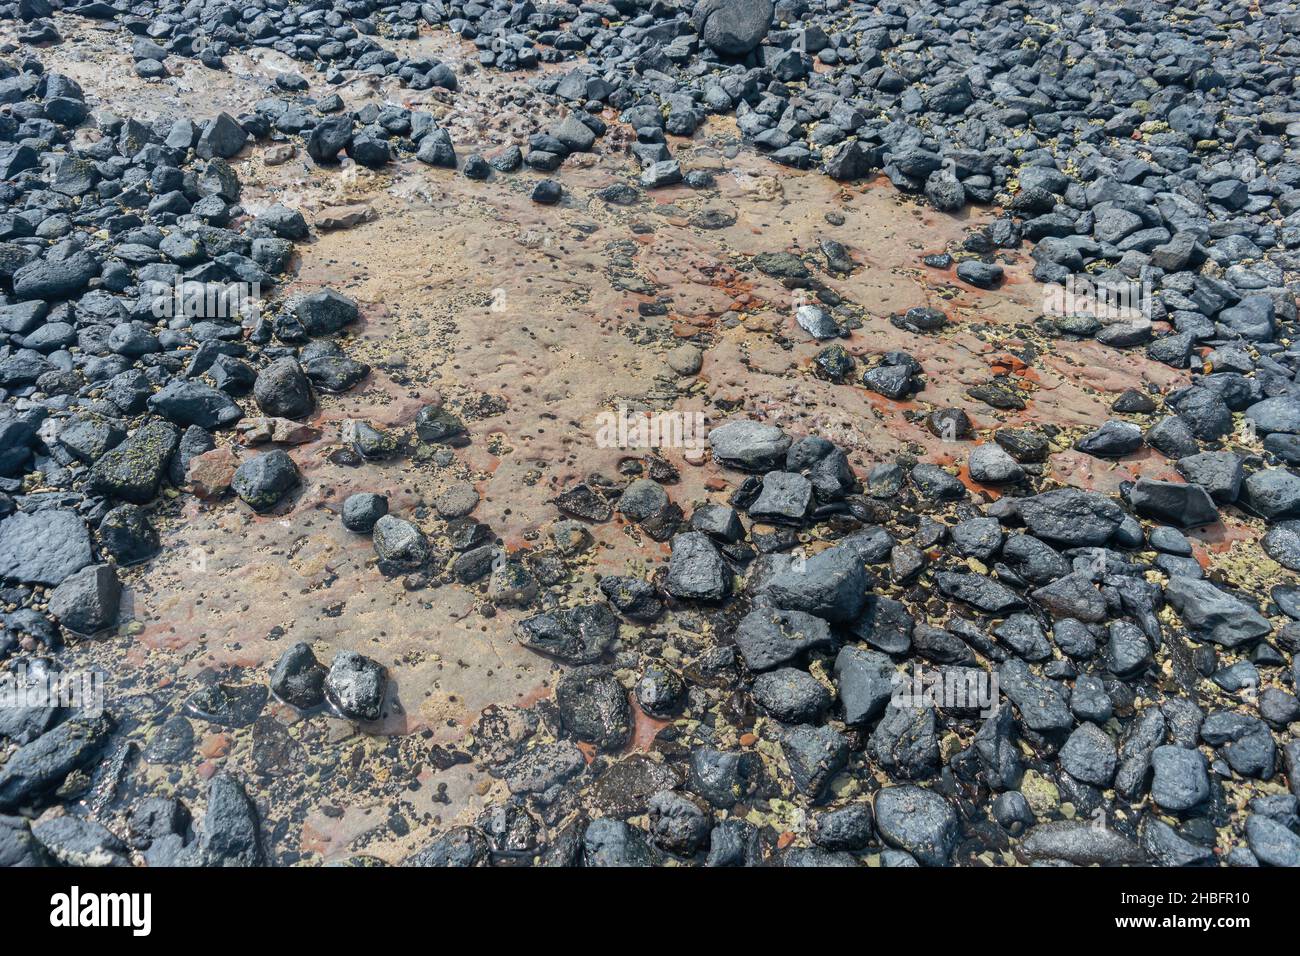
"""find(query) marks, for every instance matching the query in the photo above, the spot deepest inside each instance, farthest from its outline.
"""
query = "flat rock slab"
(43, 547)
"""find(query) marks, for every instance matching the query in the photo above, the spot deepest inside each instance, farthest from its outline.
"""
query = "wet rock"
(1024, 636)
(1247, 743)
(1024, 445)
(610, 842)
(222, 137)
(722, 777)
(1205, 412)
(1071, 517)
(509, 829)
(193, 403)
(696, 571)
(436, 149)
(1170, 541)
(282, 390)
(458, 847)
(979, 592)
(39, 767)
(790, 695)
(785, 498)
(284, 222)
(642, 499)
(399, 545)
(54, 279)
(1172, 438)
(1214, 615)
(844, 828)
(1180, 782)
(232, 832)
(1112, 440)
(1042, 703)
(361, 511)
(767, 637)
(936, 644)
(1012, 812)
(635, 598)
(87, 601)
(1089, 700)
(660, 691)
(355, 686)
(918, 821)
(1280, 413)
(815, 755)
(865, 682)
(194, 441)
(1072, 596)
(1273, 494)
(582, 501)
(997, 750)
(990, 464)
(324, 312)
(892, 381)
(23, 719)
(832, 584)
(1074, 638)
(435, 424)
(172, 743)
(548, 192)
(1081, 844)
(328, 138)
(594, 708)
(1128, 651)
(18, 848)
(76, 841)
(1282, 544)
(732, 28)
(834, 363)
(678, 823)
(982, 275)
(43, 547)
(1271, 842)
(1182, 505)
(298, 678)
(936, 484)
(264, 480)
(1163, 844)
(1131, 402)
(126, 534)
(133, 471)
(749, 446)
(665, 172)
(1032, 560)
(86, 438)
(577, 635)
(228, 705)
(1089, 755)
(539, 769)
(334, 374)
(818, 323)
(904, 742)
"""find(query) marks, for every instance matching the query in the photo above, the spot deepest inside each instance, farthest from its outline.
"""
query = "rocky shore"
(316, 318)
